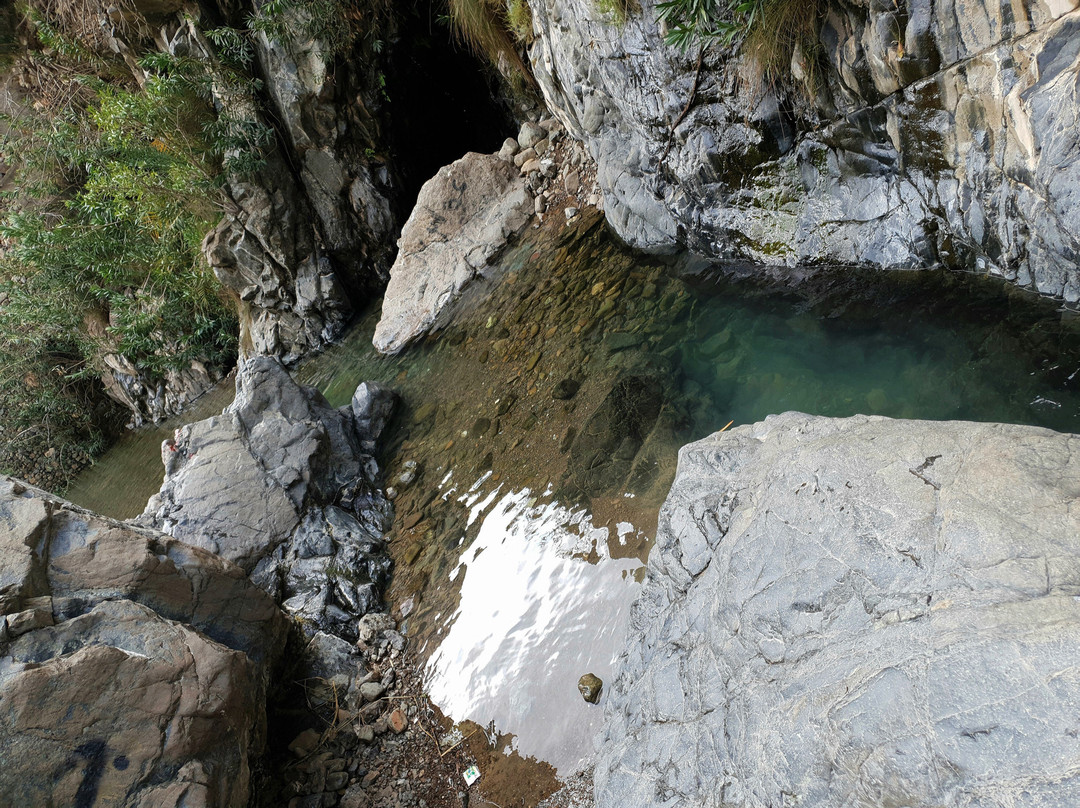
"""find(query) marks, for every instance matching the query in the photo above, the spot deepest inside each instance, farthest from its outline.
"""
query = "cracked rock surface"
(132, 666)
(860, 611)
(283, 485)
(463, 218)
(921, 134)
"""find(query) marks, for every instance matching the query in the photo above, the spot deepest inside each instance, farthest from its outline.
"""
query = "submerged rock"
(589, 686)
(132, 666)
(856, 611)
(464, 216)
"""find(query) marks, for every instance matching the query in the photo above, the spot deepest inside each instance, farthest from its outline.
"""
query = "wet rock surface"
(132, 666)
(939, 133)
(847, 610)
(281, 483)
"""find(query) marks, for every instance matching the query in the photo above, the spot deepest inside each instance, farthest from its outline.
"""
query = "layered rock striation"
(856, 612)
(133, 667)
(928, 133)
(463, 218)
(283, 484)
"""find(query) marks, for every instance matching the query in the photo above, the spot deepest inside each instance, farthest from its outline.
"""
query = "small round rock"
(589, 686)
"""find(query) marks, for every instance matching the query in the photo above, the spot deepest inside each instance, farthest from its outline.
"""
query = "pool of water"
(538, 435)
(120, 482)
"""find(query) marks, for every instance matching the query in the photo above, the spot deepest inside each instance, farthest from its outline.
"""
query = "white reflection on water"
(532, 619)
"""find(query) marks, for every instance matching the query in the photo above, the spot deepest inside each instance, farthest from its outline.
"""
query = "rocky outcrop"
(855, 612)
(463, 218)
(938, 133)
(311, 231)
(132, 666)
(151, 399)
(283, 484)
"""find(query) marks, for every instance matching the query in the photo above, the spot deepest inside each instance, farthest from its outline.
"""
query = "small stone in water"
(589, 686)
(566, 389)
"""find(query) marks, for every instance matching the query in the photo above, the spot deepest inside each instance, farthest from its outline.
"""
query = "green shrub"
(116, 186)
(335, 24)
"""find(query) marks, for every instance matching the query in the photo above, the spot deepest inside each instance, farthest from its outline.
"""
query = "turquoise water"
(900, 345)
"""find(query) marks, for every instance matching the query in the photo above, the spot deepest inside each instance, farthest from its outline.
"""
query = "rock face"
(939, 133)
(281, 483)
(155, 399)
(132, 666)
(313, 229)
(464, 216)
(856, 612)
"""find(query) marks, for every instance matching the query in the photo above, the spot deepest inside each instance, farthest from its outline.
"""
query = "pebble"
(370, 691)
(570, 213)
(398, 722)
(590, 686)
(304, 743)
(509, 148)
(522, 157)
(530, 133)
(335, 781)
(565, 389)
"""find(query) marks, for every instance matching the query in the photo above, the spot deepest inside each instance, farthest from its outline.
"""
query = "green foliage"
(520, 21)
(690, 22)
(297, 20)
(618, 10)
(102, 246)
(767, 31)
(335, 24)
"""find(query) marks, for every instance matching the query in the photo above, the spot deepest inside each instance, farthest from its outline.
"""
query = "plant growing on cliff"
(116, 186)
(492, 30)
(768, 32)
(334, 24)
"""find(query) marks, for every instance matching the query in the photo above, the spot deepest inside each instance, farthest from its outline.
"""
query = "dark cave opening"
(444, 101)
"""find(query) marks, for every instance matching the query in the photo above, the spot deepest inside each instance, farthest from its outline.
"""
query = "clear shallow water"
(530, 620)
(514, 594)
(124, 478)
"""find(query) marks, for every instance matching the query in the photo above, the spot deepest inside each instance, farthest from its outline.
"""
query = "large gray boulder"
(463, 218)
(856, 612)
(283, 485)
(132, 667)
(938, 132)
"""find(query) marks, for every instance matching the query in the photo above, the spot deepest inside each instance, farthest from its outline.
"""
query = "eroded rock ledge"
(856, 612)
(939, 133)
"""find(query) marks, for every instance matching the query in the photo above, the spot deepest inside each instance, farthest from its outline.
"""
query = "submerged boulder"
(856, 612)
(464, 216)
(132, 667)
